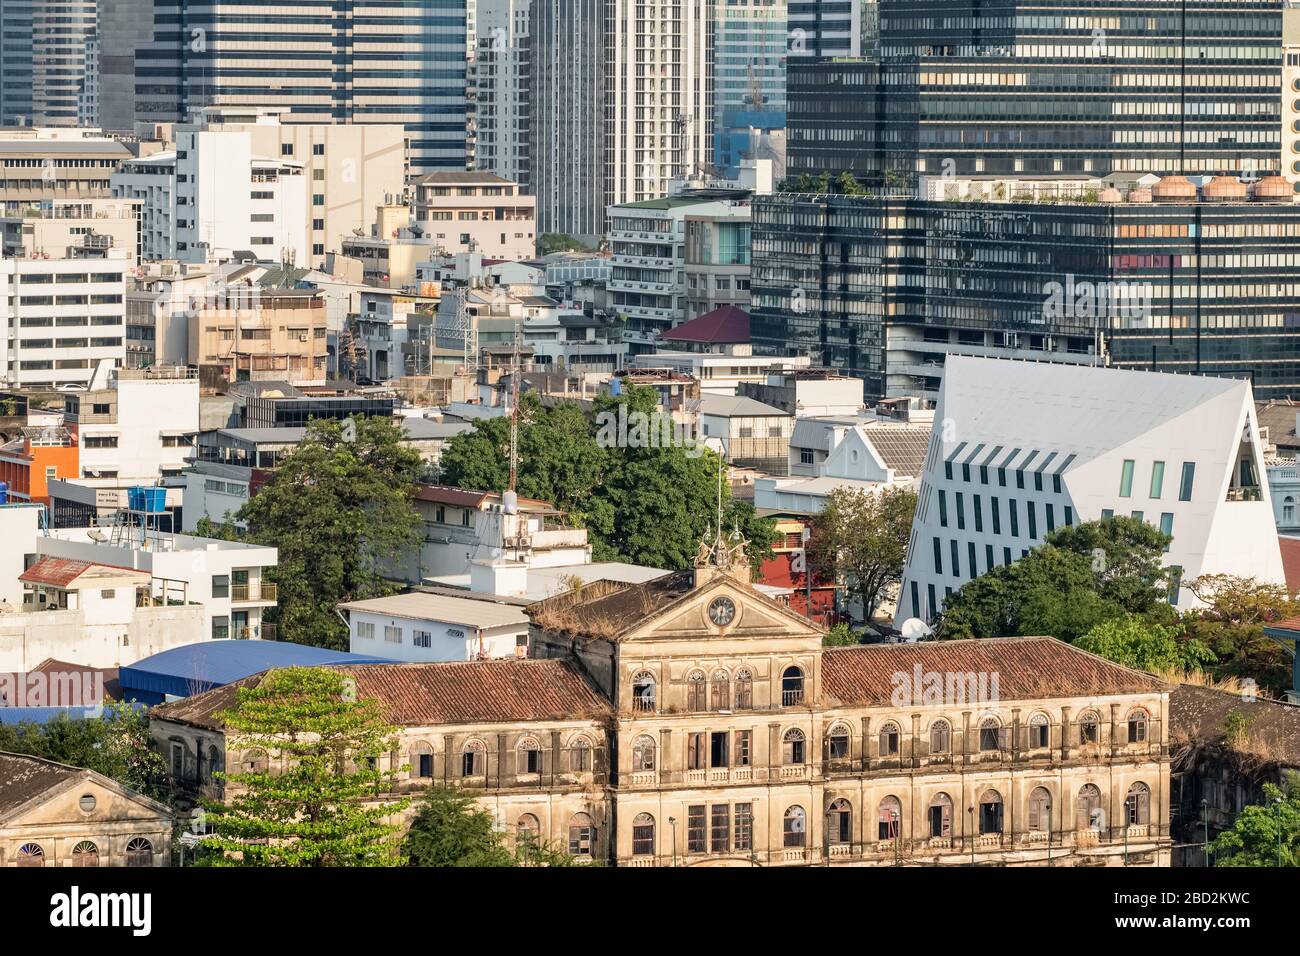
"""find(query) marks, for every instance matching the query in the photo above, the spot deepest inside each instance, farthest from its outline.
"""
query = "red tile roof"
(1290, 562)
(420, 695)
(60, 572)
(727, 325)
(1026, 668)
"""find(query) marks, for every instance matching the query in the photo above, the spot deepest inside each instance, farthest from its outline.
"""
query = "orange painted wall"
(25, 473)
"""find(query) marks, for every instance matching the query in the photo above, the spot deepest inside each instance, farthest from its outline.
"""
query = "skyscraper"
(622, 104)
(749, 75)
(828, 28)
(502, 88)
(342, 61)
(46, 51)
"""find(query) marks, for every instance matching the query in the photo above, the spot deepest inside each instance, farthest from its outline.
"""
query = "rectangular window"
(988, 557)
(720, 828)
(956, 558)
(1006, 555)
(978, 513)
(970, 559)
(1157, 478)
(1185, 486)
(1038, 481)
(1107, 514)
(744, 747)
(961, 513)
(1015, 518)
(1126, 479)
(997, 518)
(984, 474)
(943, 509)
(697, 754)
(696, 831)
(938, 557)
(220, 628)
(392, 634)
(947, 470)
(220, 585)
(718, 749)
(1020, 478)
(366, 629)
(1056, 484)
(934, 604)
(1167, 526)
(1137, 516)
(965, 473)
(1002, 477)
(744, 813)
(1051, 518)
(422, 638)
(1069, 516)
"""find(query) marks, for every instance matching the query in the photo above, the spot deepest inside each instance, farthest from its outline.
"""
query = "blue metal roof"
(43, 715)
(194, 668)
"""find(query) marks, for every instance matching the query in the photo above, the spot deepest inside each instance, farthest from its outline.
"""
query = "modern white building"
(721, 373)
(424, 626)
(502, 88)
(62, 318)
(1019, 449)
(139, 429)
(151, 182)
(81, 229)
(475, 212)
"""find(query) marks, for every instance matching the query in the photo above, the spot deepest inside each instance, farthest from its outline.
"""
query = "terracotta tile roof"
(420, 695)
(1287, 624)
(1273, 727)
(727, 325)
(60, 572)
(1026, 667)
(1290, 561)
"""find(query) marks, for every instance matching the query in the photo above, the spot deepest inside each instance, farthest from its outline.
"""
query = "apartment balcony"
(264, 593)
(1244, 493)
(264, 632)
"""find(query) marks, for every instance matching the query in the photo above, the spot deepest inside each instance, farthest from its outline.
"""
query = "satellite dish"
(94, 534)
(914, 629)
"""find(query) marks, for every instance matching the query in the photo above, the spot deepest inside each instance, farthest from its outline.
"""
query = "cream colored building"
(55, 815)
(255, 334)
(468, 211)
(693, 721)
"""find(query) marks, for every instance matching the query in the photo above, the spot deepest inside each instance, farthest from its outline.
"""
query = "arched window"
(744, 690)
(791, 687)
(990, 731)
(839, 822)
(643, 835)
(644, 691)
(795, 828)
(990, 812)
(940, 816)
(1040, 809)
(139, 852)
(940, 737)
(85, 853)
(720, 691)
(528, 831)
(792, 747)
(580, 755)
(643, 753)
(1039, 732)
(890, 818)
(473, 759)
(1088, 814)
(528, 757)
(1288, 510)
(1089, 727)
(1137, 805)
(255, 761)
(31, 854)
(582, 835)
(839, 742)
(695, 691)
(1137, 726)
(889, 739)
(421, 760)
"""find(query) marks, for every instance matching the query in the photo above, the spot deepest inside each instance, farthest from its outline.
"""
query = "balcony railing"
(265, 632)
(252, 592)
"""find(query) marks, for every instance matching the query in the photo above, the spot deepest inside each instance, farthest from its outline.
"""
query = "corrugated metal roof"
(423, 606)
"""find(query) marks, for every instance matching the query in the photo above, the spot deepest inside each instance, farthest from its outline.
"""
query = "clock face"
(722, 611)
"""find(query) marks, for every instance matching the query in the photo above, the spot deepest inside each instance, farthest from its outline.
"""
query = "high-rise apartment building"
(502, 89)
(47, 61)
(831, 28)
(622, 104)
(386, 62)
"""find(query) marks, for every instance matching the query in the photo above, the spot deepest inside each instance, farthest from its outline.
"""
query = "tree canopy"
(641, 502)
(863, 536)
(1264, 834)
(338, 508)
(317, 797)
(1130, 641)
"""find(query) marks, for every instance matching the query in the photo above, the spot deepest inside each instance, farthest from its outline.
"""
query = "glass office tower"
(341, 61)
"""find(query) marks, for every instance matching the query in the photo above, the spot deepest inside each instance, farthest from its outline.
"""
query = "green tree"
(205, 527)
(117, 744)
(451, 829)
(320, 800)
(1264, 832)
(863, 535)
(551, 242)
(841, 635)
(1231, 623)
(1080, 577)
(339, 510)
(1131, 641)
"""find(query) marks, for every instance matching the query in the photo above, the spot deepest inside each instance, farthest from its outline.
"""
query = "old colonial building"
(691, 720)
(55, 815)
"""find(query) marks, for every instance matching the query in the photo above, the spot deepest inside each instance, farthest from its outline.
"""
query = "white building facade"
(421, 626)
(1019, 449)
